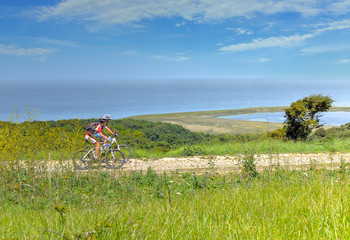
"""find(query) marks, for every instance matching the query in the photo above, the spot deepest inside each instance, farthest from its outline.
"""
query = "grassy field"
(208, 121)
(261, 146)
(279, 204)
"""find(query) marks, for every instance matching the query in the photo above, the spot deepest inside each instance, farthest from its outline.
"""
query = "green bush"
(279, 133)
(304, 115)
(321, 134)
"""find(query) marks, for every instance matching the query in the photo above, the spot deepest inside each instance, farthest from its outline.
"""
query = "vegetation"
(302, 116)
(59, 140)
(42, 203)
(279, 204)
(210, 121)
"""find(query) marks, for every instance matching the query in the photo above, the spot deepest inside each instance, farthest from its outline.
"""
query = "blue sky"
(170, 39)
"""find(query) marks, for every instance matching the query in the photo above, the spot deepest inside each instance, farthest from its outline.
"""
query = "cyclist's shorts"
(98, 136)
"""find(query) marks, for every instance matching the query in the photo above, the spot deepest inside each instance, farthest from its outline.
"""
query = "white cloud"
(175, 58)
(65, 43)
(324, 49)
(264, 60)
(241, 31)
(180, 24)
(336, 25)
(339, 7)
(13, 50)
(124, 12)
(343, 61)
(285, 41)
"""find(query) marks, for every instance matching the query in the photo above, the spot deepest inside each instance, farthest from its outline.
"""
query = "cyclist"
(95, 130)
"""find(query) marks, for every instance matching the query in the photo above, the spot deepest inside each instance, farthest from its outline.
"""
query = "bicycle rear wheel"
(114, 159)
(83, 159)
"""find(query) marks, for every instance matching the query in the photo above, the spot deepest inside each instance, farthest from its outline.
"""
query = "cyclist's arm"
(110, 130)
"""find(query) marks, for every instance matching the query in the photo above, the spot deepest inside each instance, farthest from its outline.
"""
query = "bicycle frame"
(114, 140)
(102, 149)
(93, 151)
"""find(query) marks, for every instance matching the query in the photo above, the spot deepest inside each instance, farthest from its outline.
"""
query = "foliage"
(323, 135)
(304, 115)
(107, 205)
(279, 133)
(248, 167)
(192, 150)
(37, 139)
(33, 139)
(60, 139)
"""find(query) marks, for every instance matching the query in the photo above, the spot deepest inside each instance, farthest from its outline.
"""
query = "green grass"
(263, 146)
(278, 204)
(255, 146)
(100, 205)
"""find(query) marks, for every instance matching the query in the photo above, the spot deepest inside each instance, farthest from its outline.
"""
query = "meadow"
(277, 203)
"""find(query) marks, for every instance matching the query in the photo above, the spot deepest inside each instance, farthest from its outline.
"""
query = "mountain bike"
(108, 157)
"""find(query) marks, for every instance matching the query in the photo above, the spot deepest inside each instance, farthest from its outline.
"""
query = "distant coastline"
(208, 121)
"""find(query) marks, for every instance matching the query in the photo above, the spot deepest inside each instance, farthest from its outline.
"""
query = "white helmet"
(105, 117)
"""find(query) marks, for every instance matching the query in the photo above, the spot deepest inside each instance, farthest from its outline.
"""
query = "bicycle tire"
(83, 159)
(115, 158)
(126, 152)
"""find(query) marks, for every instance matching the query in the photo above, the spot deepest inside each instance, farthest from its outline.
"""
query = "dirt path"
(222, 164)
(232, 163)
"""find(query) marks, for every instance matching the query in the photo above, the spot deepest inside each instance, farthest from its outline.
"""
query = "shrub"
(278, 134)
(304, 115)
(190, 150)
(319, 133)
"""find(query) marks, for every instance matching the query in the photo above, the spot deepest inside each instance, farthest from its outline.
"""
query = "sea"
(82, 99)
(326, 118)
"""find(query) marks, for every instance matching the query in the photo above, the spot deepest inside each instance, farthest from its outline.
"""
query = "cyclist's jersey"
(97, 129)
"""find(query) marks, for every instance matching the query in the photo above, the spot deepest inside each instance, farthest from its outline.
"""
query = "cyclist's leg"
(97, 149)
(94, 141)
(99, 138)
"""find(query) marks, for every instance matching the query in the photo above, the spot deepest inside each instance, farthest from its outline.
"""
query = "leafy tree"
(304, 115)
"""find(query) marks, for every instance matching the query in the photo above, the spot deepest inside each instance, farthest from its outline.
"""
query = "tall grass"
(263, 146)
(39, 202)
(281, 204)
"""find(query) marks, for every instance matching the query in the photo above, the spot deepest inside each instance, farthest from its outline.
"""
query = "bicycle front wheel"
(115, 159)
(125, 149)
(83, 158)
